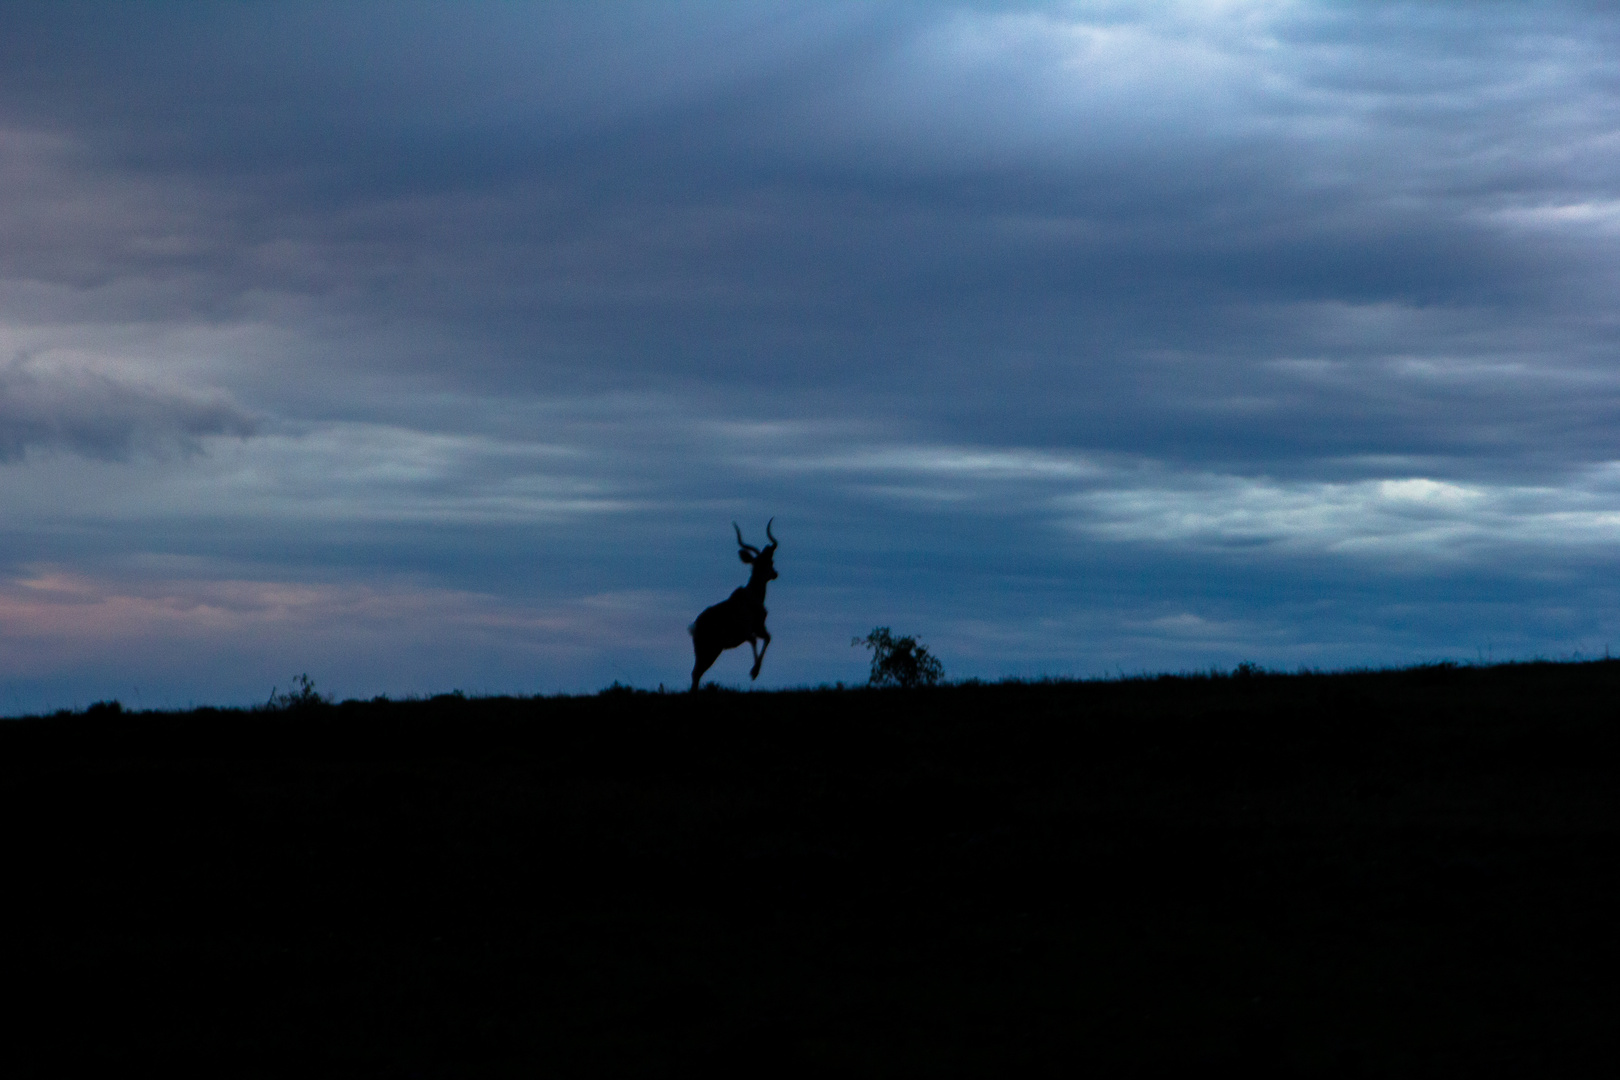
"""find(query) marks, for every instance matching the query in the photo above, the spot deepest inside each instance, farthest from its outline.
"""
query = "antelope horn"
(767, 532)
(741, 543)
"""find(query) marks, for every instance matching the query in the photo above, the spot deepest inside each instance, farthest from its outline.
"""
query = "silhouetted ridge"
(1314, 874)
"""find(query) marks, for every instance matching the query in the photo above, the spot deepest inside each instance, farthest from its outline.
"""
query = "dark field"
(1394, 873)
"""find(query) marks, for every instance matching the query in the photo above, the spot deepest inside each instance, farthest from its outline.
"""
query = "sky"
(437, 346)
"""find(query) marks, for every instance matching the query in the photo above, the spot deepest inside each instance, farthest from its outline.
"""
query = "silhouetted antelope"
(740, 618)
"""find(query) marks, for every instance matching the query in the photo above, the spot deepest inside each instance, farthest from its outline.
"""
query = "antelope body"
(739, 618)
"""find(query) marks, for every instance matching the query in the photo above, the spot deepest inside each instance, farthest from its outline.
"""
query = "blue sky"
(433, 346)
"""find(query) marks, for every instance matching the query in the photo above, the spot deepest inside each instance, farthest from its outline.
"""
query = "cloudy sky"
(433, 346)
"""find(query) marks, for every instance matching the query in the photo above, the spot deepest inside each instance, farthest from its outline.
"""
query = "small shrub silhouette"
(302, 695)
(899, 661)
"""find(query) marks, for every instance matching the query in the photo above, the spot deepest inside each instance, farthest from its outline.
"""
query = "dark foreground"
(1403, 873)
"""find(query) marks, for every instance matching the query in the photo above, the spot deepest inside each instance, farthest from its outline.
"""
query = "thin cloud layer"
(87, 412)
(1076, 338)
(60, 629)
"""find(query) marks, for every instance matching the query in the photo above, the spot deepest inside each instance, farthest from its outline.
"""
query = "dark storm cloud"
(1043, 224)
(1003, 295)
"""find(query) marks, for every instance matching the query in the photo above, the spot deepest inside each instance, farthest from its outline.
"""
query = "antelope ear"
(745, 557)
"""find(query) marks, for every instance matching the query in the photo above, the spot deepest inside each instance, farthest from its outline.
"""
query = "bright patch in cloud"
(1373, 519)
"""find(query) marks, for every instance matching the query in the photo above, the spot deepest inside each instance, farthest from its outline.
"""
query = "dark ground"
(1408, 873)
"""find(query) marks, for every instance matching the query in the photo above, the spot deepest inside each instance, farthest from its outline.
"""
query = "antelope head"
(764, 569)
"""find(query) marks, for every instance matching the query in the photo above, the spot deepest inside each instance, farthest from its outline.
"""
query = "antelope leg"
(759, 656)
